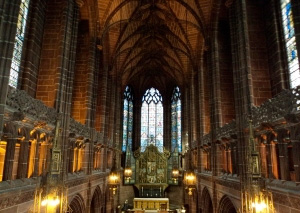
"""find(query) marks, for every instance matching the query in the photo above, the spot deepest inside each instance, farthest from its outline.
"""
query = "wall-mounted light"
(175, 174)
(114, 178)
(190, 181)
(51, 198)
(127, 173)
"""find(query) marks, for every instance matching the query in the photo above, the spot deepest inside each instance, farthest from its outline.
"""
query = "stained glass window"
(290, 41)
(127, 119)
(176, 120)
(152, 120)
(18, 46)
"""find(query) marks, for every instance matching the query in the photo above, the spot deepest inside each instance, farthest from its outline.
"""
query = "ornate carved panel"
(151, 166)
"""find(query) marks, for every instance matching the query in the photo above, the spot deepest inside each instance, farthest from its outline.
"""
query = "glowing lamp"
(190, 181)
(259, 206)
(127, 173)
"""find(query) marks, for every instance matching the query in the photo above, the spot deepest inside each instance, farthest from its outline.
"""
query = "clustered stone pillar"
(9, 157)
(8, 26)
(23, 159)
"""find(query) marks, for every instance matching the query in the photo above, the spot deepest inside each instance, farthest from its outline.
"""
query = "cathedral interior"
(110, 106)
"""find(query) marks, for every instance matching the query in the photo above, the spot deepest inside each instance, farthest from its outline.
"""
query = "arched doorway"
(207, 206)
(96, 204)
(77, 204)
(226, 206)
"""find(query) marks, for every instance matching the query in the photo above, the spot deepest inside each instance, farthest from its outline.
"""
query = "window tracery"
(127, 119)
(152, 119)
(290, 42)
(176, 119)
(19, 41)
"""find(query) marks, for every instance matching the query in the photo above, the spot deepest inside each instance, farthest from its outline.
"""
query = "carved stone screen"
(151, 171)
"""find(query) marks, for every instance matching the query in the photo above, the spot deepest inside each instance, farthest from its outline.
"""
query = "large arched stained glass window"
(127, 119)
(18, 46)
(152, 120)
(176, 120)
(290, 41)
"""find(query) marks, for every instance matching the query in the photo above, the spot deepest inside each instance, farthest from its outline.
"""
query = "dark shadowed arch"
(226, 206)
(207, 206)
(96, 203)
(77, 204)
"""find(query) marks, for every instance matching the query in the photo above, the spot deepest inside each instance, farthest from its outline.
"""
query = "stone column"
(88, 157)
(295, 141)
(103, 159)
(137, 107)
(240, 46)
(9, 158)
(23, 159)
(283, 156)
(272, 160)
(33, 41)
(234, 157)
(71, 157)
(201, 114)
(8, 24)
(296, 159)
(167, 125)
(36, 158)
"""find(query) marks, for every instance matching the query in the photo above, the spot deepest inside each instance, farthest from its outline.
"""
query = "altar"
(151, 203)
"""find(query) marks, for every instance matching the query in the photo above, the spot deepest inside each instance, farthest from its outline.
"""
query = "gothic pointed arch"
(206, 205)
(77, 204)
(127, 119)
(226, 205)
(97, 203)
(152, 119)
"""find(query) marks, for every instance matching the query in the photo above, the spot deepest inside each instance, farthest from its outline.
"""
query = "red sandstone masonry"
(258, 53)
(50, 55)
(32, 50)
(80, 85)
(226, 76)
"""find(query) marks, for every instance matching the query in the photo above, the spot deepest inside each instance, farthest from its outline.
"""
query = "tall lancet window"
(176, 120)
(127, 119)
(290, 42)
(18, 46)
(152, 120)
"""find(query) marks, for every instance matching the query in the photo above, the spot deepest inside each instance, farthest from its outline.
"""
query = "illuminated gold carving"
(2, 157)
(152, 166)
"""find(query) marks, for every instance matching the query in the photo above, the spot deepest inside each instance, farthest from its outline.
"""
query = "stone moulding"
(13, 200)
(20, 102)
(226, 131)
(285, 105)
(206, 139)
(79, 129)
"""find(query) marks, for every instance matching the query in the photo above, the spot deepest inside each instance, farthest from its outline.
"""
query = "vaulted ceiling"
(151, 42)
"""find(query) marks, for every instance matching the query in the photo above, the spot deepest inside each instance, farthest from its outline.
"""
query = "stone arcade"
(173, 105)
